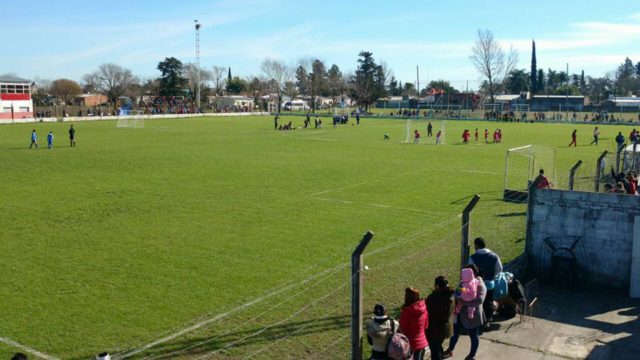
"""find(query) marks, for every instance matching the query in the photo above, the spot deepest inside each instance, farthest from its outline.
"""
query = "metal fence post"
(356, 297)
(622, 148)
(599, 170)
(572, 174)
(464, 249)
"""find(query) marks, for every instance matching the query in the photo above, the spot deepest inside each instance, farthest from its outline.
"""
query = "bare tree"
(190, 72)
(492, 62)
(111, 79)
(278, 74)
(65, 90)
(218, 78)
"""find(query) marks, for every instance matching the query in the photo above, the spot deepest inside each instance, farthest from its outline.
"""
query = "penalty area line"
(381, 206)
(27, 349)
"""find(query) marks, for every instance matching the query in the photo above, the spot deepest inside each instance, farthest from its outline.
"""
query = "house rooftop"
(13, 79)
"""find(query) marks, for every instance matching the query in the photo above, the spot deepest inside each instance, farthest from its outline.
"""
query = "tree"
(278, 74)
(567, 89)
(409, 89)
(541, 83)
(518, 81)
(638, 68)
(441, 85)
(257, 87)
(65, 90)
(190, 72)
(393, 87)
(369, 80)
(490, 61)
(317, 81)
(625, 78)
(171, 82)
(112, 80)
(217, 77)
(336, 85)
(235, 86)
(583, 84)
(302, 79)
(534, 69)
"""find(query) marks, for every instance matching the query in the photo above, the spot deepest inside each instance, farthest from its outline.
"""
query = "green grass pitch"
(139, 233)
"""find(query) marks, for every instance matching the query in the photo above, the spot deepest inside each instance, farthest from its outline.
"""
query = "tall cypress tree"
(534, 69)
(229, 78)
(540, 86)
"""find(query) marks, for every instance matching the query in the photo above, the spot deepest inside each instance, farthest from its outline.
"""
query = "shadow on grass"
(513, 214)
(466, 199)
(222, 342)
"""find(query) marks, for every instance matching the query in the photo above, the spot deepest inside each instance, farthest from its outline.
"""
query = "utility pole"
(197, 65)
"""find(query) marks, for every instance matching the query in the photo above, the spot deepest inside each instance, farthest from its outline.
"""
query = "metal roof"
(13, 79)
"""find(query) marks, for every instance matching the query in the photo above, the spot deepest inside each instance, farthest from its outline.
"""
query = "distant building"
(90, 100)
(15, 98)
(232, 102)
(558, 102)
(623, 103)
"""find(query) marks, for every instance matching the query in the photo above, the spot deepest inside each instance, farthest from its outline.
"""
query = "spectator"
(596, 134)
(19, 356)
(490, 267)
(471, 325)
(544, 181)
(574, 138)
(439, 309)
(379, 332)
(620, 140)
(633, 183)
(414, 321)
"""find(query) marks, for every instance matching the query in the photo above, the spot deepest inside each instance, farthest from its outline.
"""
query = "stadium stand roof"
(13, 79)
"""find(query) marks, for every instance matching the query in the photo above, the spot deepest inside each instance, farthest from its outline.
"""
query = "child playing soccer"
(486, 136)
(466, 291)
(438, 136)
(50, 140)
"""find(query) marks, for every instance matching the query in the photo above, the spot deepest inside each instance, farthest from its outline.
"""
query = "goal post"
(422, 127)
(522, 166)
(134, 121)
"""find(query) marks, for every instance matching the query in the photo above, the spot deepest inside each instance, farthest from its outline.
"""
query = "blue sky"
(55, 39)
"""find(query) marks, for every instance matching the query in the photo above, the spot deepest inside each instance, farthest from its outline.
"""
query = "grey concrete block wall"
(603, 221)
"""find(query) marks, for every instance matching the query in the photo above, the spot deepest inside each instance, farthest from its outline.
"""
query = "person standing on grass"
(358, 118)
(34, 139)
(486, 136)
(429, 129)
(620, 140)
(476, 134)
(50, 140)
(438, 137)
(596, 134)
(72, 137)
(416, 137)
(574, 138)
(472, 325)
(490, 267)
(379, 330)
(414, 321)
(440, 305)
(275, 122)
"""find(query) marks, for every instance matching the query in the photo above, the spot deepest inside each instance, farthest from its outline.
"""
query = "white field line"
(335, 189)
(27, 349)
(215, 318)
(319, 139)
(378, 206)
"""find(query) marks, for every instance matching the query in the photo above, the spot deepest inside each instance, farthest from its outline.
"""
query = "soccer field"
(220, 237)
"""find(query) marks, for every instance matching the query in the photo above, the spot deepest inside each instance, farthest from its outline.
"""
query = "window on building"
(24, 109)
(6, 109)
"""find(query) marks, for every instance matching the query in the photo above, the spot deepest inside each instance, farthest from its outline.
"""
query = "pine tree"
(534, 70)
(583, 84)
(540, 85)
(229, 78)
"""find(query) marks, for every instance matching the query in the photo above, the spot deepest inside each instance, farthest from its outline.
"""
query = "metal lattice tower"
(197, 65)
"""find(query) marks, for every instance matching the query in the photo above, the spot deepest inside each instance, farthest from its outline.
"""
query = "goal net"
(522, 166)
(131, 121)
(438, 134)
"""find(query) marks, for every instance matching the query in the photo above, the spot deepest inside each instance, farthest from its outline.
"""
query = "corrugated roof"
(13, 79)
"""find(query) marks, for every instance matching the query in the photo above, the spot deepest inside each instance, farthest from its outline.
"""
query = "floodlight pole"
(197, 25)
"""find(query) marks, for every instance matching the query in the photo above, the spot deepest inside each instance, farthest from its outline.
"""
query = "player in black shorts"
(72, 137)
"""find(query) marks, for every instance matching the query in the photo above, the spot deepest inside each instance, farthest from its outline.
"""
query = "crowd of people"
(444, 313)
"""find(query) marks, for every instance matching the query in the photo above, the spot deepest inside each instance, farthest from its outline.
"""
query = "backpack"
(398, 347)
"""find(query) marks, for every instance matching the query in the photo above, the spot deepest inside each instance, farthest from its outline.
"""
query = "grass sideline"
(138, 233)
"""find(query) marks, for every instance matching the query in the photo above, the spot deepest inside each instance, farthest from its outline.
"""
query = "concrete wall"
(605, 223)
